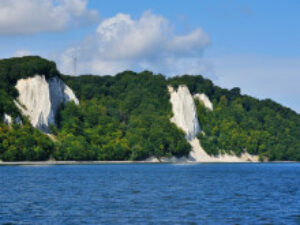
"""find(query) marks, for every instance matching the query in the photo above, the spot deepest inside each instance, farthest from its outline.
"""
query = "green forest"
(241, 123)
(127, 117)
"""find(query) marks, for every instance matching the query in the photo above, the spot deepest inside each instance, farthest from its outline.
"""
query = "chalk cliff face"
(184, 110)
(205, 100)
(40, 98)
(185, 117)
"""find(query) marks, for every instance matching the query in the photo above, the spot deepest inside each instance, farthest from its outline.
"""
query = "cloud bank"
(34, 16)
(149, 42)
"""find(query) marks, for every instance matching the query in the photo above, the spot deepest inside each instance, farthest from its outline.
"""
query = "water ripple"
(151, 194)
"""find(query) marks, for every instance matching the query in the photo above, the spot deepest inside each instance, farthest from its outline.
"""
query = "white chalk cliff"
(184, 110)
(39, 99)
(205, 100)
(185, 117)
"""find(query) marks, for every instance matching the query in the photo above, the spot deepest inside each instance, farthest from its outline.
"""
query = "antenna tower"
(74, 65)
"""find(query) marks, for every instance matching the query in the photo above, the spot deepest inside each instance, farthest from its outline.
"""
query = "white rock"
(40, 98)
(185, 117)
(205, 100)
(59, 91)
(184, 110)
(198, 154)
(7, 119)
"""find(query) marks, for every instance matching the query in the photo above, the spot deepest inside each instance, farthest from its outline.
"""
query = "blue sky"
(250, 44)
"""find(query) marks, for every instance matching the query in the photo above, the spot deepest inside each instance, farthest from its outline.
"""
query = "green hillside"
(242, 123)
(13, 69)
(126, 117)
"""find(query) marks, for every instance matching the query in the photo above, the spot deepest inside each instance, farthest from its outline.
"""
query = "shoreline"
(50, 163)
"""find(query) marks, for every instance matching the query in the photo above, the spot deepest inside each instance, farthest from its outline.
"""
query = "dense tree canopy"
(127, 117)
(241, 123)
(24, 143)
(122, 117)
(13, 69)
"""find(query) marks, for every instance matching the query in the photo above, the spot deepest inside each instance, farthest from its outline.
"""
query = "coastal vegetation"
(13, 69)
(127, 117)
(241, 123)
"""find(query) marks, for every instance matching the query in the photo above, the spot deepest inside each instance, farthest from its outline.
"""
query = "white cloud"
(149, 42)
(33, 16)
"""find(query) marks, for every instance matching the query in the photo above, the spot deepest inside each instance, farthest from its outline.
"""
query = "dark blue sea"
(151, 194)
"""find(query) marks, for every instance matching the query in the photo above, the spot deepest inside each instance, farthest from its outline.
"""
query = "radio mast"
(74, 65)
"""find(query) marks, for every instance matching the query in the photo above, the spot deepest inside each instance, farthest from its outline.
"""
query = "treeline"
(13, 69)
(24, 143)
(242, 123)
(127, 117)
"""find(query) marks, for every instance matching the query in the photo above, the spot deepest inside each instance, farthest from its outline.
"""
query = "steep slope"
(127, 117)
(203, 98)
(241, 123)
(14, 69)
(40, 99)
(185, 117)
(18, 139)
(121, 118)
(184, 110)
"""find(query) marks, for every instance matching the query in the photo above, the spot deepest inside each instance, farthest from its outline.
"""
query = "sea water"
(258, 193)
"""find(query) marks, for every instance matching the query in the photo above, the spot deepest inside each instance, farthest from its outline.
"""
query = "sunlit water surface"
(151, 194)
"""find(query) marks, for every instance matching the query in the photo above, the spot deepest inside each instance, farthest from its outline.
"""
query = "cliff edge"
(39, 99)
